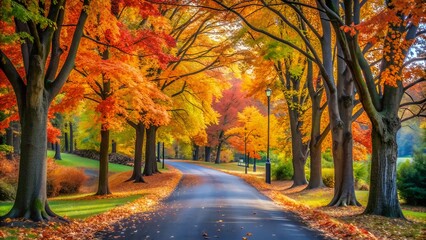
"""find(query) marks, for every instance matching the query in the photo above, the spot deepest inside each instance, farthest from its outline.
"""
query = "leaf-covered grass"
(74, 208)
(320, 198)
(71, 160)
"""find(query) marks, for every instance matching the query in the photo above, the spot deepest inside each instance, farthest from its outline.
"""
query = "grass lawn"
(74, 208)
(71, 160)
(233, 167)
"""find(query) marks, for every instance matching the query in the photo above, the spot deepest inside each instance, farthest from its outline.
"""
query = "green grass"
(71, 160)
(232, 166)
(79, 209)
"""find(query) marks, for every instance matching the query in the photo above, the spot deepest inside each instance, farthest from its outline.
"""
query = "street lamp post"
(245, 151)
(268, 161)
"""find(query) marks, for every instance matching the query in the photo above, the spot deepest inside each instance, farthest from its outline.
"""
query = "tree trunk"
(299, 149)
(196, 152)
(16, 127)
(71, 138)
(315, 144)
(31, 199)
(219, 150)
(150, 161)
(207, 153)
(383, 197)
(137, 166)
(9, 141)
(315, 179)
(113, 146)
(103, 185)
(344, 181)
(66, 142)
(158, 151)
(57, 151)
(219, 147)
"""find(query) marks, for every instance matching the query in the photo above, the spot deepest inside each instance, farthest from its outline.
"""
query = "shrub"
(63, 180)
(328, 177)
(411, 177)
(283, 170)
(7, 191)
(361, 175)
(6, 148)
(8, 170)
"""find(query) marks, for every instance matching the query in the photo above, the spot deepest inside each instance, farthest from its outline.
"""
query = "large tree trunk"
(71, 138)
(344, 181)
(299, 149)
(207, 153)
(383, 197)
(31, 199)
(137, 166)
(103, 185)
(43, 83)
(150, 160)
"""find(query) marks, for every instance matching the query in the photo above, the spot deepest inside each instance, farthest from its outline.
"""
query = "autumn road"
(209, 204)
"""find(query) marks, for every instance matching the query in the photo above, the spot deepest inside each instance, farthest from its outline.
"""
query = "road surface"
(210, 204)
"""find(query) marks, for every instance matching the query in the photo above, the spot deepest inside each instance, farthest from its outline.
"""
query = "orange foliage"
(53, 133)
(65, 180)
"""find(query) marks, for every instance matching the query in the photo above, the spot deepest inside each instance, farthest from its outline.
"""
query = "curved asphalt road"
(218, 206)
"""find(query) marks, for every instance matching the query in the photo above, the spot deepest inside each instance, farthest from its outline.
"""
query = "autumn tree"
(392, 30)
(109, 75)
(36, 64)
(249, 136)
(340, 111)
(232, 102)
(196, 76)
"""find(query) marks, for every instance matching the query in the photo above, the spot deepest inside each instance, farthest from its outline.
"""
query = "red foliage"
(233, 101)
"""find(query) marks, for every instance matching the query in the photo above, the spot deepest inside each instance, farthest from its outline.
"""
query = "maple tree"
(196, 76)
(232, 102)
(36, 66)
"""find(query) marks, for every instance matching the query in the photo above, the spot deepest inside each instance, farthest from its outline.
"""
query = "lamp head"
(268, 92)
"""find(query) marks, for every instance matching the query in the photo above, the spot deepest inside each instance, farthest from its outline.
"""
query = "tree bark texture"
(219, 147)
(137, 166)
(315, 144)
(103, 185)
(31, 199)
(150, 160)
(344, 181)
(299, 149)
(383, 196)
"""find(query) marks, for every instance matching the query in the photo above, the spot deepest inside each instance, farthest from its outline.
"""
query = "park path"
(209, 204)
